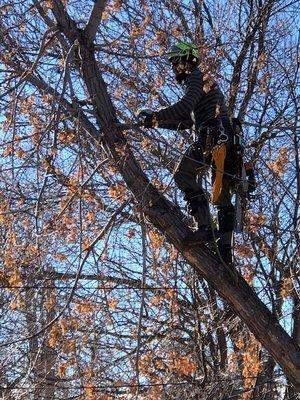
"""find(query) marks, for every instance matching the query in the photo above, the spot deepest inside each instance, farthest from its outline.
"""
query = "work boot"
(205, 232)
(198, 207)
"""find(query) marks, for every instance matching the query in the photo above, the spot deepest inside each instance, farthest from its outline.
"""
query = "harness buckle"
(223, 138)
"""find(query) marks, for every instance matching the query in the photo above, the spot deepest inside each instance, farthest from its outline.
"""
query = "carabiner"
(222, 138)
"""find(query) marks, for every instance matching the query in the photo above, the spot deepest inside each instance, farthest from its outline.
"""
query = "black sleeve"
(180, 112)
(175, 125)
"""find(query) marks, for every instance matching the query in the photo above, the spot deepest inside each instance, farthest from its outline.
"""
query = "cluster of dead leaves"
(244, 251)
(173, 362)
(287, 287)
(252, 364)
(279, 165)
(182, 365)
(157, 240)
(118, 192)
(252, 367)
(58, 334)
(112, 8)
(253, 222)
(85, 307)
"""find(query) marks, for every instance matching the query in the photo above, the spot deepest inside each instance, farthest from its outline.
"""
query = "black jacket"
(200, 104)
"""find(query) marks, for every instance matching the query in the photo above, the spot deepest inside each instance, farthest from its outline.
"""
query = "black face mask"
(181, 75)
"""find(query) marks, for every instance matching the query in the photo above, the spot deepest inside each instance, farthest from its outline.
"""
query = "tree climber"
(203, 108)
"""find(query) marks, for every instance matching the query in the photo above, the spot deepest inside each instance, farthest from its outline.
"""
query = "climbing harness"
(243, 179)
(215, 149)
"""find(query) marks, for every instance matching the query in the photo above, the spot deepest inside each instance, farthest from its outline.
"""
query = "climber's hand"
(147, 117)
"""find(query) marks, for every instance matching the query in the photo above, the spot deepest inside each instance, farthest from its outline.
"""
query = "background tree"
(99, 300)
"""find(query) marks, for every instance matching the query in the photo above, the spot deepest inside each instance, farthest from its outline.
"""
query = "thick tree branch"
(65, 22)
(95, 19)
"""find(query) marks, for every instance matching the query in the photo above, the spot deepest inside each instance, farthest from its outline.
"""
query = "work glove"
(147, 117)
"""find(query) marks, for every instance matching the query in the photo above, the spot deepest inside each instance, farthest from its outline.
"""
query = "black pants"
(189, 177)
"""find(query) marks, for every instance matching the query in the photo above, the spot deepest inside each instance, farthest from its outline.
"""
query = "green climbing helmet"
(183, 50)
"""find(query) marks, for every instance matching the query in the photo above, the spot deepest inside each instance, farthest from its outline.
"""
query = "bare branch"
(95, 19)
